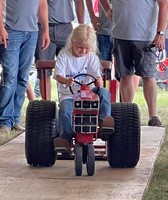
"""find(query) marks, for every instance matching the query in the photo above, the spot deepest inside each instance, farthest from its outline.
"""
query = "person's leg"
(124, 68)
(26, 55)
(47, 54)
(128, 87)
(127, 90)
(15, 82)
(146, 67)
(105, 46)
(65, 120)
(150, 94)
(30, 92)
(10, 62)
(37, 88)
(136, 82)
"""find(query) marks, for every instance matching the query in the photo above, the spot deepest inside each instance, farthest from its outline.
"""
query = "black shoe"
(154, 121)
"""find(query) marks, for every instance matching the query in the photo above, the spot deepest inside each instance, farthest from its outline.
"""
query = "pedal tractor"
(85, 126)
(120, 142)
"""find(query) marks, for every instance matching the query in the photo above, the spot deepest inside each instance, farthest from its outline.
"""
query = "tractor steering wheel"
(83, 74)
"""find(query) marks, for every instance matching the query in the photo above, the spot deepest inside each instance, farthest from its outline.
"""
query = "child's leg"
(105, 103)
(65, 119)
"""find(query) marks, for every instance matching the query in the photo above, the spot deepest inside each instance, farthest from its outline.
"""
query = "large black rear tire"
(39, 148)
(123, 147)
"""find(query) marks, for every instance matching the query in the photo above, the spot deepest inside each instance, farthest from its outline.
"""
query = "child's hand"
(99, 82)
(69, 81)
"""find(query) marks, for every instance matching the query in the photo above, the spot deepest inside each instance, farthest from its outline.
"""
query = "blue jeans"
(66, 109)
(17, 60)
(166, 47)
(37, 88)
(105, 46)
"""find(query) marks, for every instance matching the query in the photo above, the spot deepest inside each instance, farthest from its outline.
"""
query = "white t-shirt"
(68, 65)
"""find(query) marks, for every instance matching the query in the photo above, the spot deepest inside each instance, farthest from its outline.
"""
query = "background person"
(103, 27)
(60, 26)
(132, 31)
(19, 42)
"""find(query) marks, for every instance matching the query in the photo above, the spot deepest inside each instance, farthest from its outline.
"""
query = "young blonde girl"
(78, 56)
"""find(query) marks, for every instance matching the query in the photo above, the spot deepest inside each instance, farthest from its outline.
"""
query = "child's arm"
(64, 80)
(99, 82)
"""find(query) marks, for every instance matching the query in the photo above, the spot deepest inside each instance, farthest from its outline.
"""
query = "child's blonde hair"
(85, 34)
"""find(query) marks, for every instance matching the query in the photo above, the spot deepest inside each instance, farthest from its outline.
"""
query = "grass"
(5, 137)
(158, 188)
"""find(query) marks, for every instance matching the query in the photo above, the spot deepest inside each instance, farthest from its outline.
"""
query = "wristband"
(160, 32)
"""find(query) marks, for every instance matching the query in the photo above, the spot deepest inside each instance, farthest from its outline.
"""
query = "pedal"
(107, 128)
(106, 132)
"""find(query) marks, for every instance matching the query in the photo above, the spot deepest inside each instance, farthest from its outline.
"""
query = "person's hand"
(69, 81)
(99, 82)
(45, 40)
(159, 42)
(96, 23)
(3, 37)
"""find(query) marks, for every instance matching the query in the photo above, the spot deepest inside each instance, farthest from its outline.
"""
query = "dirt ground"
(19, 181)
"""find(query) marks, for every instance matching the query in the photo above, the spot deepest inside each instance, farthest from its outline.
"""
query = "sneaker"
(62, 145)
(4, 129)
(18, 127)
(154, 121)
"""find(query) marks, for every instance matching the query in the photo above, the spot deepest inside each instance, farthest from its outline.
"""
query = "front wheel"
(78, 159)
(90, 164)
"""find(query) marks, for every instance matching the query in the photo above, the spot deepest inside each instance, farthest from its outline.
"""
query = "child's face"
(80, 49)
